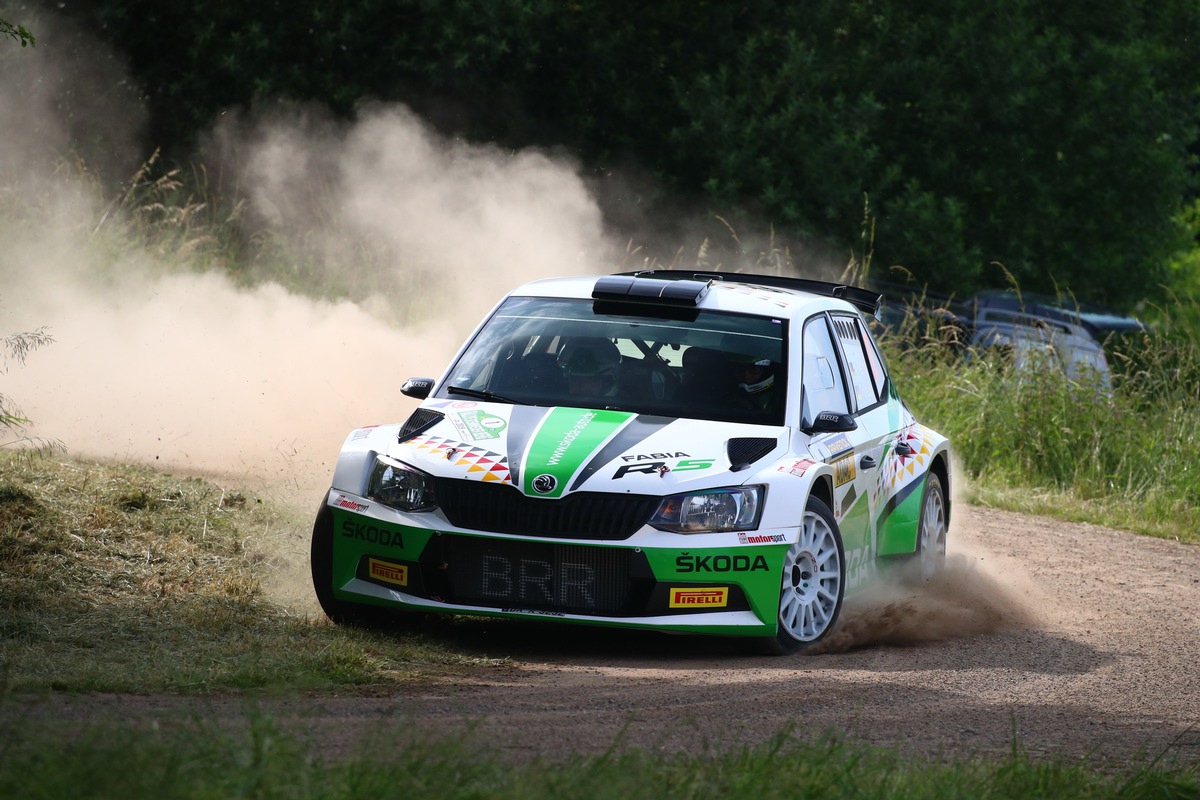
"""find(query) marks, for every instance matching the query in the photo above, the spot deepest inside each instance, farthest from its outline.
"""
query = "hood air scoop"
(745, 451)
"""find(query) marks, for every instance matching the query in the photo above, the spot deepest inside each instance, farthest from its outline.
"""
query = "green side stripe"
(563, 442)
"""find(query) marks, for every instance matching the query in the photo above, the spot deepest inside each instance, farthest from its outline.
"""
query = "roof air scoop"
(655, 291)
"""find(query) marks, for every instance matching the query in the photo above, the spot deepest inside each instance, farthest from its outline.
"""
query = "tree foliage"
(1052, 139)
(17, 32)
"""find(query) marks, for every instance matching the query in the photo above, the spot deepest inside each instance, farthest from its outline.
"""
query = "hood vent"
(745, 451)
(420, 420)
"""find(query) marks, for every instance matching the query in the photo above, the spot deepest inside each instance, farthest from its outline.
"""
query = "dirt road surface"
(1081, 641)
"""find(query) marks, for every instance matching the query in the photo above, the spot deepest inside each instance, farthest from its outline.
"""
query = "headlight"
(710, 511)
(400, 486)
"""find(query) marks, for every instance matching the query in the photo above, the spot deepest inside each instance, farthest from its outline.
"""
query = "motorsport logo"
(707, 597)
(761, 538)
(345, 502)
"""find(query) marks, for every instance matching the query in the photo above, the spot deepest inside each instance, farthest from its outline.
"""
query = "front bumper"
(729, 585)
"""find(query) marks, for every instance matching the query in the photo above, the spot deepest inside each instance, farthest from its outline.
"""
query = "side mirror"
(832, 422)
(417, 387)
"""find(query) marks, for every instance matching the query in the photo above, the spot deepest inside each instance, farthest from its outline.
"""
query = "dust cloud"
(159, 358)
(971, 596)
(961, 600)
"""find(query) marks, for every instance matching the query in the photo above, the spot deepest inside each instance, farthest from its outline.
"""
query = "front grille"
(503, 509)
(569, 578)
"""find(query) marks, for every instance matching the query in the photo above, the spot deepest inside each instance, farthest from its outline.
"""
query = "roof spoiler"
(862, 299)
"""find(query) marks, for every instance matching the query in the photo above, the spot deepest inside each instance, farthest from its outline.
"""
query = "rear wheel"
(813, 583)
(931, 530)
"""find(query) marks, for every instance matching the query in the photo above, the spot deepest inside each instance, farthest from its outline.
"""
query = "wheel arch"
(941, 467)
(822, 489)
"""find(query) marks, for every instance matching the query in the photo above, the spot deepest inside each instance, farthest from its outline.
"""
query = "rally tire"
(812, 584)
(931, 530)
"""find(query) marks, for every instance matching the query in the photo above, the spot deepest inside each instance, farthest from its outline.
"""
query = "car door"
(838, 379)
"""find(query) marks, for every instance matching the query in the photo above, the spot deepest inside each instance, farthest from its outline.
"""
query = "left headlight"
(400, 486)
(710, 511)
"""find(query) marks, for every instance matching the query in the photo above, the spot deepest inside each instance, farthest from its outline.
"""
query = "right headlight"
(710, 511)
(399, 486)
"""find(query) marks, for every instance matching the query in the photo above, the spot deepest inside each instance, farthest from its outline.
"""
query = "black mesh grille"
(419, 420)
(502, 573)
(502, 508)
(743, 452)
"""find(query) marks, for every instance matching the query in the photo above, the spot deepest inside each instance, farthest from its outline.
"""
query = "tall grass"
(1032, 438)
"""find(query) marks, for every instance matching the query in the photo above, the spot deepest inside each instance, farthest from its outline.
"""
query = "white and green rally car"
(676, 451)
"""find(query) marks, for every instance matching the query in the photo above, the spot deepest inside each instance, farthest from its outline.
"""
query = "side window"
(874, 360)
(823, 386)
(862, 382)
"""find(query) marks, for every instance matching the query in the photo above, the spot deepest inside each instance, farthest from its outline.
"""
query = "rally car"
(667, 450)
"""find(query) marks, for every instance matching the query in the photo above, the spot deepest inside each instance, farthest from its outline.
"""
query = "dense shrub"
(1051, 139)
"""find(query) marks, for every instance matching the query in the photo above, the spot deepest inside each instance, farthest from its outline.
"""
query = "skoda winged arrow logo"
(544, 484)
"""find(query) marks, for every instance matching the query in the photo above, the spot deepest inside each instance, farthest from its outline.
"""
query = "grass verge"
(122, 579)
(199, 760)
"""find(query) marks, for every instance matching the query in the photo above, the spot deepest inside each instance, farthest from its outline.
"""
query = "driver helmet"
(765, 373)
(589, 358)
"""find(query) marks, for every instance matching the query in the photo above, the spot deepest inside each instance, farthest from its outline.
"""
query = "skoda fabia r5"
(687, 452)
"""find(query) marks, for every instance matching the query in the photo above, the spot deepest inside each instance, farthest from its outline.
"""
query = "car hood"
(551, 452)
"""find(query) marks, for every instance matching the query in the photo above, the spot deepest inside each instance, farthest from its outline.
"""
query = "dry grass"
(118, 578)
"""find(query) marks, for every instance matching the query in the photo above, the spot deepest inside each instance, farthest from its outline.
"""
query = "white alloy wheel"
(931, 535)
(813, 582)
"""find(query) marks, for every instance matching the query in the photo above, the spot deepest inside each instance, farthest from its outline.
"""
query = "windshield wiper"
(481, 394)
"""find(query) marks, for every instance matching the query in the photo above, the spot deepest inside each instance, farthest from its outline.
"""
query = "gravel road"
(1083, 641)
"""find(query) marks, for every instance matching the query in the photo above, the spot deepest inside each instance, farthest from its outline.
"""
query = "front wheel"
(321, 563)
(813, 583)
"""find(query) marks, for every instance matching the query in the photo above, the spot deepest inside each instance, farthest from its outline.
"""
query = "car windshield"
(570, 352)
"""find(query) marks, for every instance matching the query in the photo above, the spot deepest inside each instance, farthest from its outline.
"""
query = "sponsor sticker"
(479, 425)
(345, 502)
(362, 433)
(537, 612)
(387, 572)
(797, 468)
(705, 597)
(838, 445)
(844, 470)
(761, 538)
